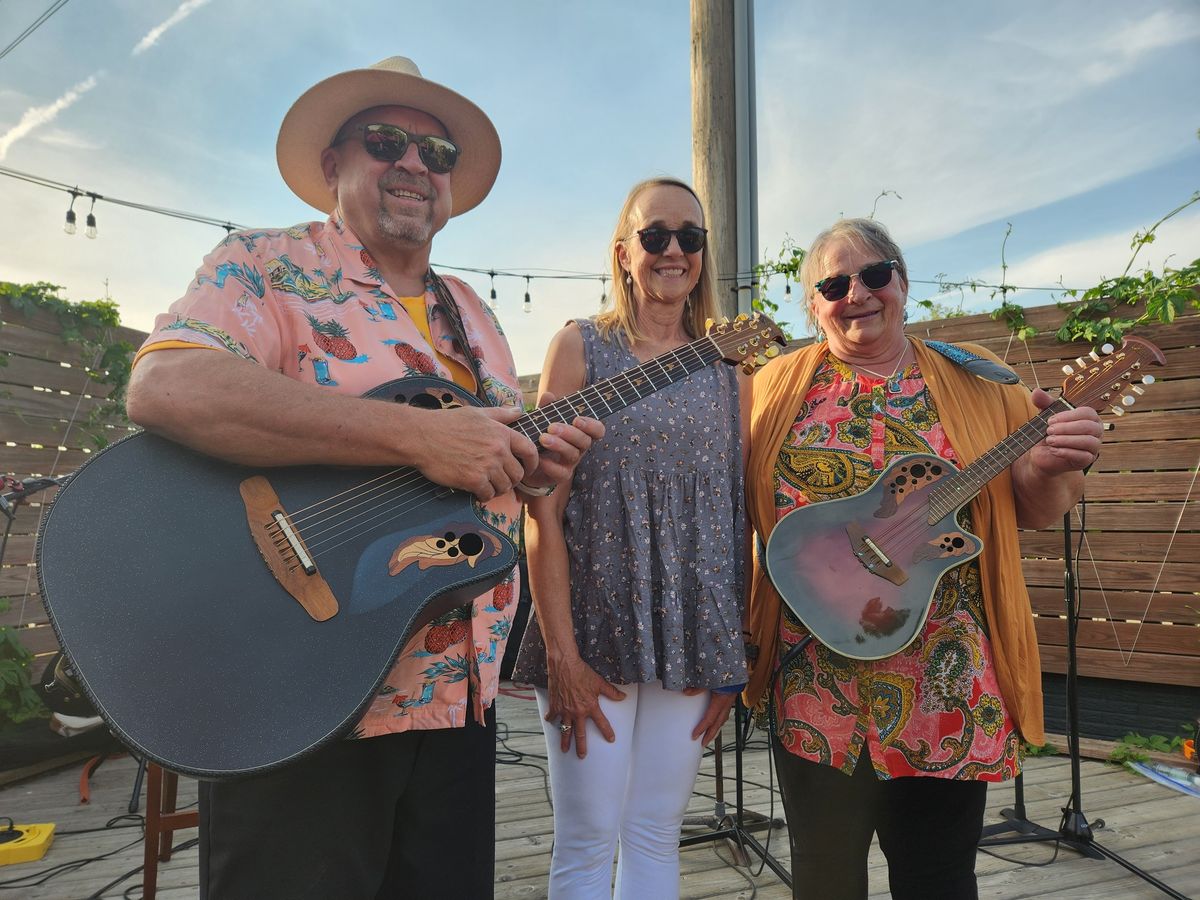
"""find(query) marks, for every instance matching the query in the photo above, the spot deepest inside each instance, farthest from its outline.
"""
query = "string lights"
(90, 230)
(69, 225)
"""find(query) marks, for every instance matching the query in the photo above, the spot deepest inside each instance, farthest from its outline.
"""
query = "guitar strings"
(946, 498)
(337, 512)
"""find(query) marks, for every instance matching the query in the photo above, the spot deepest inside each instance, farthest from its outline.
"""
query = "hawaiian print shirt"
(309, 302)
(935, 707)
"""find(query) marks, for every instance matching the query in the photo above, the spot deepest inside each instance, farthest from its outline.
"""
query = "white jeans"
(634, 790)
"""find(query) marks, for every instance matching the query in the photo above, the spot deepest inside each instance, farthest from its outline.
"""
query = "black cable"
(54, 7)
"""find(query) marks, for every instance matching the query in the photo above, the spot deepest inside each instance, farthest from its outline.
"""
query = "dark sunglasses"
(875, 276)
(657, 240)
(388, 143)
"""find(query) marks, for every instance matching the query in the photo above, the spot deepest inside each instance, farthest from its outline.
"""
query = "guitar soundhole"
(421, 401)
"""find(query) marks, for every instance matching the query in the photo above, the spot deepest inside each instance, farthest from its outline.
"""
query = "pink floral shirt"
(309, 302)
(934, 708)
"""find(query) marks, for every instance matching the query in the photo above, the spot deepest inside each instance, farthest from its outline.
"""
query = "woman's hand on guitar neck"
(575, 690)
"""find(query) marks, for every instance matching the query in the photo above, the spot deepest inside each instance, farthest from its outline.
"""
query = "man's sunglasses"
(657, 240)
(388, 143)
(875, 276)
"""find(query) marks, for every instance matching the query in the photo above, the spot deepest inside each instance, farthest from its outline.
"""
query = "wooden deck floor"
(1149, 825)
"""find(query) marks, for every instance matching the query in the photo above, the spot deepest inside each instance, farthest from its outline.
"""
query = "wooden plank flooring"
(1149, 825)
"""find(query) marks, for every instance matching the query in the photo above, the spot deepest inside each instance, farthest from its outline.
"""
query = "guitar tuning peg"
(1079, 362)
(708, 324)
(1117, 411)
(761, 359)
(1137, 390)
(1147, 379)
(742, 317)
(1106, 348)
(1095, 356)
(1068, 370)
(772, 351)
(1128, 401)
(724, 320)
(748, 368)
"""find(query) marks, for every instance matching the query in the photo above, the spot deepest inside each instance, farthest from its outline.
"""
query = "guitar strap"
(444, 301)
(976, 365)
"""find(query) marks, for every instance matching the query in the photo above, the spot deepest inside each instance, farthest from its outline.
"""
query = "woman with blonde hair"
(635, 647)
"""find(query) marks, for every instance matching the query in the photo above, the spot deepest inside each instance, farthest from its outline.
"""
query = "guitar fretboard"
(612, 394)
(954, 490)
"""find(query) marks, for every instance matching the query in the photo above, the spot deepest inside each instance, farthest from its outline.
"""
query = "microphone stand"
(1074, 830)
(738, 830)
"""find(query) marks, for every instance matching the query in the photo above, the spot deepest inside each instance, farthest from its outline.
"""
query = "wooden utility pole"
(723, 145)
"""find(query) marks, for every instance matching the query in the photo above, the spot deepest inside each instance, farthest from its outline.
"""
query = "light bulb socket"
(90, 230)
(69, 225)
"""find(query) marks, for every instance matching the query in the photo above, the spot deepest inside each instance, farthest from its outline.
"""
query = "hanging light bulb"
(528, 303)
(492, 298)
(69, 225)
(603, 294)
(90, 230)
(787, 289)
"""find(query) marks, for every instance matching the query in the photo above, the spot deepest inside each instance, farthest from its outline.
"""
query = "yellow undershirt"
(417, 311)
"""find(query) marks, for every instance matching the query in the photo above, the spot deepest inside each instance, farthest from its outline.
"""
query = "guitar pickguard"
(948, 545)
(906, 479)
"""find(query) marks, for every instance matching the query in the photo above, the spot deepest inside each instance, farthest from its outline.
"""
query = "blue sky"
(1076, 122)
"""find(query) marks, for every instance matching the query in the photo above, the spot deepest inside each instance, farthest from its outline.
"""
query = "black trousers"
(398, 816)
(928, 829)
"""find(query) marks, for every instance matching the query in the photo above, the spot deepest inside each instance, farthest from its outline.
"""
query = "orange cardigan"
(976, 415)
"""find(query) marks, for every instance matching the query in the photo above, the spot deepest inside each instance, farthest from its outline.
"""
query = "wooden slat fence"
(1139, 572)
(45, 396)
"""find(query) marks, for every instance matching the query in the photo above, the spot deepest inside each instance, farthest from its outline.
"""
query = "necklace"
(895, 371)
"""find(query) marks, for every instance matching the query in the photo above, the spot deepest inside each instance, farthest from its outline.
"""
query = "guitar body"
(860, 572)
(187, 644)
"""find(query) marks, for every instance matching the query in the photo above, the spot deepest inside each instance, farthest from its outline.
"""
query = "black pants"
(928, 830)
(399, 816)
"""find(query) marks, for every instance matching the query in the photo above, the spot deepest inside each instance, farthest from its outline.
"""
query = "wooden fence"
(1140, 560)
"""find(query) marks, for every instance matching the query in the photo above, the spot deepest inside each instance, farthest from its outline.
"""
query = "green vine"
(1135, 747)
(89, 324)
(787, 263)
(1106, 311)
(18, 700)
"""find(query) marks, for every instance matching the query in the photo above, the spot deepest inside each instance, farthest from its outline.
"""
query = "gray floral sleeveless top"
(654, 532)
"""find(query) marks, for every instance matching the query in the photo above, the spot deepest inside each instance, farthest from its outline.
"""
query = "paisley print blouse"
(934, 708)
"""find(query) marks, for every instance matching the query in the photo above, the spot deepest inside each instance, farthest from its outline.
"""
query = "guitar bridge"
(284, 551)
(873, 557)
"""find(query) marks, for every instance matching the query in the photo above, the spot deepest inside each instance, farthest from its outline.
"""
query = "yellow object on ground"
(31, 844)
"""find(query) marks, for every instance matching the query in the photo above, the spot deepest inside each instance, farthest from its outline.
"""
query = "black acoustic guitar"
(225, 620)
(860, 572)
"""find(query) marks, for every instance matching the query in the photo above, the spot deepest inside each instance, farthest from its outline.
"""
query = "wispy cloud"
(36, 116)
(185, 9)
(1081, 264)
(59, 137)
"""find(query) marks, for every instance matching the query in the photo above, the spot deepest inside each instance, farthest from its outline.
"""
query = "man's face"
(401, 203)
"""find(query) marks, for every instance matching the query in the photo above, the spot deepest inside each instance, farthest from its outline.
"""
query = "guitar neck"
(955, 490)
(612, 394)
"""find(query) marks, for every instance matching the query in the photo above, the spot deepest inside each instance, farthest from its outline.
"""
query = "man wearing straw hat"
(299, 323)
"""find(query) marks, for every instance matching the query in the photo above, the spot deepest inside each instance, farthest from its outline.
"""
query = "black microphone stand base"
(1074, 832)
(737, 830)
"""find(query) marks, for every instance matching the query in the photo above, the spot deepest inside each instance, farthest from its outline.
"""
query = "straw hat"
(312, 122)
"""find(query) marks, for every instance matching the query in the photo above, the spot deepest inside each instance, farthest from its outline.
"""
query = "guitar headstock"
(1109, 381)
(748, 341)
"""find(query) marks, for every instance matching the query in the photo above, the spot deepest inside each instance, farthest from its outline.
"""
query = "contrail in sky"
(36, 116)
(185, 9)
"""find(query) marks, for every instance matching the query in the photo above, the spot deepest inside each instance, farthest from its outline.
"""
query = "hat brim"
(311, 123)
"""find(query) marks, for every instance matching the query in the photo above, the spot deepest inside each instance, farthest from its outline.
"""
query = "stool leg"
(154, 778)
(170, 789)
